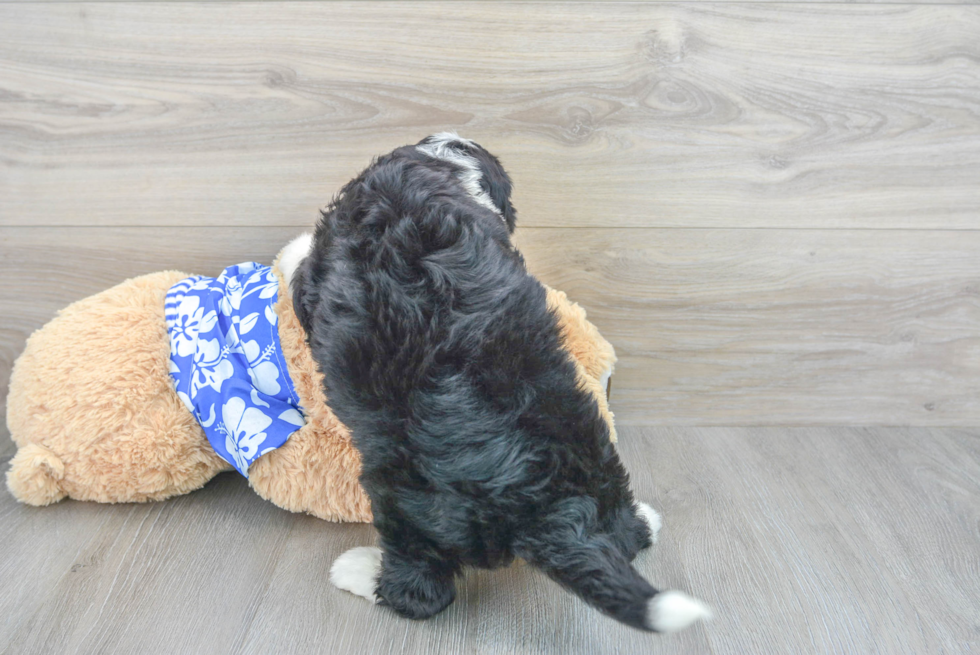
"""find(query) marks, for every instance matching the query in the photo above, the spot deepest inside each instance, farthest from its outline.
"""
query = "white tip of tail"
(293, 254)
(671, 611)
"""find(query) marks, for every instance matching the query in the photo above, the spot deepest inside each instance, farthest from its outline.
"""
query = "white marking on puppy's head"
(357, 571)
(671, 611)
(293, 255)
(440, 146)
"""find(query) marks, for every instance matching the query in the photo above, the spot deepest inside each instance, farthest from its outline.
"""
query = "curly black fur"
(439, 352)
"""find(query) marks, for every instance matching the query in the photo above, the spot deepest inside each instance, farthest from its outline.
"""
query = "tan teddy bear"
(94, 413)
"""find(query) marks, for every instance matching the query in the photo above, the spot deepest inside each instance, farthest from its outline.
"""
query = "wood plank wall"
(772, 210)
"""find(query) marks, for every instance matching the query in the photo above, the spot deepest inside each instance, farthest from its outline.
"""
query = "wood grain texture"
(694, 115)
(712, 327)
(822, 540)
(791, 327)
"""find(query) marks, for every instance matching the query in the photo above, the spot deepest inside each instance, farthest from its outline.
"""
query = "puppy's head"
(480, 173)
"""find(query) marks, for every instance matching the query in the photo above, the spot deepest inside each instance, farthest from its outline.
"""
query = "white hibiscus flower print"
(226, 363)
(212, 367)
(262, 283)
(200, 283)
(231, 301)
(293, 416)
(263, 373)
(244, 431)
(191, 320)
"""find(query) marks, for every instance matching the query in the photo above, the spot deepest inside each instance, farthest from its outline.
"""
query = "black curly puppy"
(441, 356)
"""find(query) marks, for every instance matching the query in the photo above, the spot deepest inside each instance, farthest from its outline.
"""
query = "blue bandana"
(227, 362)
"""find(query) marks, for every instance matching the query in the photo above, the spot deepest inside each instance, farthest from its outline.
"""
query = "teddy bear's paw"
(35, 476)
(652, 519)
(357, 571)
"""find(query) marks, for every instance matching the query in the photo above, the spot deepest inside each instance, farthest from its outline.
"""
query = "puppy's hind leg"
(651, 518)
(409, 572)
(633, 527)
(414, 585)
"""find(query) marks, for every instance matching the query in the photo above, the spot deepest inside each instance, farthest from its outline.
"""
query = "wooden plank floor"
(613, 114)
(772, 210)
(819, 540)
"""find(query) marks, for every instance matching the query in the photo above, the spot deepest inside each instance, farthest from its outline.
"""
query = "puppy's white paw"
(652, 519)
(357, 571)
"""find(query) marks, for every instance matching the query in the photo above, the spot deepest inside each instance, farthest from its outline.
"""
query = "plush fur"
(126, 437)
(93, 410)
(479, 440)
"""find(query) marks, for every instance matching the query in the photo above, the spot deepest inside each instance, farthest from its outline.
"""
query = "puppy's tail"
(593, 568)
